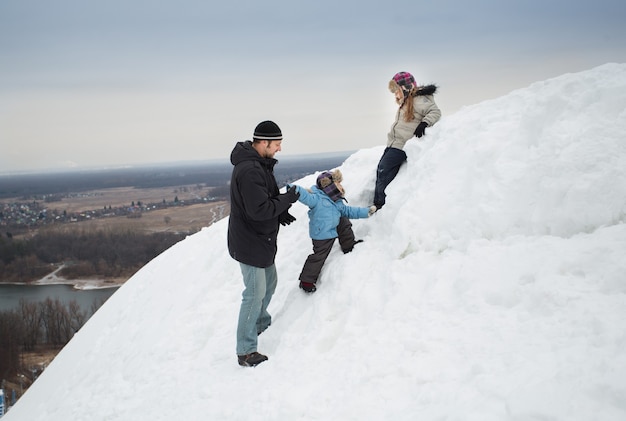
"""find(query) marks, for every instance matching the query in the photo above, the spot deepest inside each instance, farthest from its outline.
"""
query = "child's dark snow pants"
(321, 250)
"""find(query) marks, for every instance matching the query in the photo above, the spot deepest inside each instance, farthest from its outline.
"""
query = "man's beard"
(268, 153)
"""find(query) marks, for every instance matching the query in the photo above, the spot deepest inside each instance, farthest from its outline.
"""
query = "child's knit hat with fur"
(403, 81)
(330, 183)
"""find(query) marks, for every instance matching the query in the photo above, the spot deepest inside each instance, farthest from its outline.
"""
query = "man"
(257, 208)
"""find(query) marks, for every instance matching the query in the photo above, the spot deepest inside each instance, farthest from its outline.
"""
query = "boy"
(329, 218)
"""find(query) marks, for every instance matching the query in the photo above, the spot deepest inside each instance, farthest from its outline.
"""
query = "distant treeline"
(48, 323)
(104, 253)
(29, 186)
(210, 174)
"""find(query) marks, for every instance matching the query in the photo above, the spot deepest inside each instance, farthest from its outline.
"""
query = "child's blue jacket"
(324, 214)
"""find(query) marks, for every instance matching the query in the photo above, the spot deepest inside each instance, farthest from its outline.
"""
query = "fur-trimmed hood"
(414, 90)
(425, 90)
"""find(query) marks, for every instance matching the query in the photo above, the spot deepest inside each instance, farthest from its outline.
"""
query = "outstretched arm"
(306, 197)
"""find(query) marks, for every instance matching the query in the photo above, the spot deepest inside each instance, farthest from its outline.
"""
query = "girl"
(417, 110)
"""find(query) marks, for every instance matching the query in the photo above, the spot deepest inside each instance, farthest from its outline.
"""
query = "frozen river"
(10, 295)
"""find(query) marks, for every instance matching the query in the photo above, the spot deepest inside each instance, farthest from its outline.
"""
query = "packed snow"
(491, 286)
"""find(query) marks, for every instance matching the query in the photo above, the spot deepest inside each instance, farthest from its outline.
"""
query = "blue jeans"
(253, 316)
(388, 168)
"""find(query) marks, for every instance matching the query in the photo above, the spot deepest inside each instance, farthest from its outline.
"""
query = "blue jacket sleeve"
(352, 212)
(307, 198)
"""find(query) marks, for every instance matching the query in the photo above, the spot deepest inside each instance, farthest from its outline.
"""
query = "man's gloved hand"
(286, 218)
(372, 210)
(292, 194)
(421, 129)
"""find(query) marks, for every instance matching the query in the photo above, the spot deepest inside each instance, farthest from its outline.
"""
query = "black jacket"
(255, 206)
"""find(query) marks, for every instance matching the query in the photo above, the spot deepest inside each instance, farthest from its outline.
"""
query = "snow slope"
(492, 286)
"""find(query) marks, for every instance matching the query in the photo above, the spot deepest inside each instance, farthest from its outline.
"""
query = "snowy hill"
(492, 286)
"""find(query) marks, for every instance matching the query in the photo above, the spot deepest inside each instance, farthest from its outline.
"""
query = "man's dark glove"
(292, 194)
(286, 218)
(421, 129)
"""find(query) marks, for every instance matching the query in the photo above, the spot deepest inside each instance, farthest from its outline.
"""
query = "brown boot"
(251, 360)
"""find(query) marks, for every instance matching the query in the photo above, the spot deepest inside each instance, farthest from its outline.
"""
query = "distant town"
(18, 216)
(30, 201)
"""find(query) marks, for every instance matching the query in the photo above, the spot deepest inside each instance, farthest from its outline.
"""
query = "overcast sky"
(121, 82)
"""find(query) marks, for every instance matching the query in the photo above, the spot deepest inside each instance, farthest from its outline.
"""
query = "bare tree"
(10, 333)
(77, 317)
(56, 321)
(31, 319)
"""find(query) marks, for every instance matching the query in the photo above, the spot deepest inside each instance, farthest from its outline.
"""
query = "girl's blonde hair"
(407, 99)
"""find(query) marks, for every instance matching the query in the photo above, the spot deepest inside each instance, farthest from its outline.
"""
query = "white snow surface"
(492, 286)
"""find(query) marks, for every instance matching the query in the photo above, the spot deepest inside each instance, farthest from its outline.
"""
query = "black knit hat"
(267, 130)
